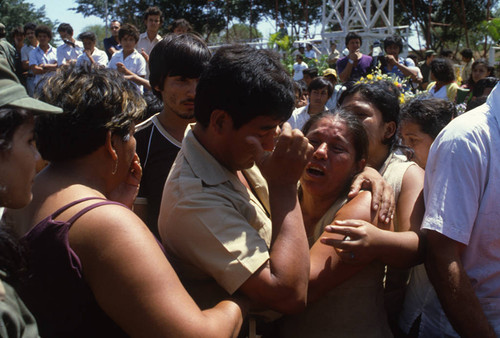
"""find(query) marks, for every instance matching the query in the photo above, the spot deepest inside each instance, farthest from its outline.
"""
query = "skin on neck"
(173, 124)
(313, 208)
(151, 34)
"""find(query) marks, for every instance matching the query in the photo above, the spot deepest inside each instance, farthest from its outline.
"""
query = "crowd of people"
(158, 189)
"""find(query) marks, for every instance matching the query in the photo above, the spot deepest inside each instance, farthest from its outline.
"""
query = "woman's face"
(17, 168)
(372, 120)
(479, 72)
(413, 137)
(333, 162)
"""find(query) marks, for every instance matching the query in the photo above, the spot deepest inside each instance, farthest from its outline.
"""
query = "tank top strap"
(69, 205)
(90, 207)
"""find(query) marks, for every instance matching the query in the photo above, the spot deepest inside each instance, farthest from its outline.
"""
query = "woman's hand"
(127, 191)
(382, 193)
(361, 244)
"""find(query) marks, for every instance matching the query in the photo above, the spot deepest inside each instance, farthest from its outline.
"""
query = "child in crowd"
(128, 61)
(91, 54)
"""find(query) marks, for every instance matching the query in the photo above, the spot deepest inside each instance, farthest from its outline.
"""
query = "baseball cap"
(330, 71)
(12, 93)
(430, 52)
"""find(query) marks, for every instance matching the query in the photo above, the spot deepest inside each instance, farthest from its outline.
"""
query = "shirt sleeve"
(141, 66)
(207, 231)
(33, 58)
(453, 183)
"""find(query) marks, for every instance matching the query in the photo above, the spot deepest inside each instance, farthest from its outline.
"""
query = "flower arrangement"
(402, 84)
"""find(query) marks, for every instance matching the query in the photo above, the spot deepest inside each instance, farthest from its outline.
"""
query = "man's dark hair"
(10, 119)
(245, 83)
(94, 101)
(87, 35)
(29, 25)
(153, 11)
(446, 53)
(320, 83)
(130, 30)
(466, 53)
(442, 70)
(183, 23)
(430, 114)
(177, 55)
(66, 28)
(393, 40)
(311, 72)
(383, 95)
(43, 29)
(353, 35)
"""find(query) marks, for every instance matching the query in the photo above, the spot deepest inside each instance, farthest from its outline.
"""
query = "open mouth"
(315, 171)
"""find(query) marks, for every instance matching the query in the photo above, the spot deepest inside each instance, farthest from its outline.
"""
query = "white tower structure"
(371, 19)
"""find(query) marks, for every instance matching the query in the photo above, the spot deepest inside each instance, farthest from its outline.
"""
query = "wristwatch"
(350, 61)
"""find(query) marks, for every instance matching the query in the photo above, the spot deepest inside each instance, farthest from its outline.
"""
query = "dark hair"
(466, 53)
(431, 114)
(246, 83)
(299, 56)
(114, 20)
(354, 127)
(353, 35)
(153, 11)
(446, 53)
(177, 55)
(43, 29)
(320, 83)
(311, 72)
(29, 25)
(94, 101)
(393, 40)
(183, 23)
(130, 30)
(66, 28)
(476, 63)
(18, 30)
(383, 95)
(10, 119)
(481, 85)
(413, 57)
(442, 70)
(297, 88)
(87, 35)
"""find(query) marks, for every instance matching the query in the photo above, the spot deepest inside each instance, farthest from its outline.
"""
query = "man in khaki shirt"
(227, 225)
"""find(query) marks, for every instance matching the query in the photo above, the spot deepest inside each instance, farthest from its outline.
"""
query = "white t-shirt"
(134, 62)
(462, 185)
(98, 55)
(297, 70)
(66, 52)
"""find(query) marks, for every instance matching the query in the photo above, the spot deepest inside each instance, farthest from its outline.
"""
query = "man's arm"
(352, 61)
(453, 287)
(281, 284)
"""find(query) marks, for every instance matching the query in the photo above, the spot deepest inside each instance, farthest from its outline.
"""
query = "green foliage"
(492, 27)
(238, 32)
(99, 31)
(19, 12)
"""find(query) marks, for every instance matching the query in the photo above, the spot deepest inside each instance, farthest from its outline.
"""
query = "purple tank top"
(56, 292)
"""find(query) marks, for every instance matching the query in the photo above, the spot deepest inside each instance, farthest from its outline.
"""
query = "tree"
(239, 32)
(19, 12)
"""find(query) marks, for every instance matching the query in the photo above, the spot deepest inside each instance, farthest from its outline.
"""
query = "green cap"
(12, 93)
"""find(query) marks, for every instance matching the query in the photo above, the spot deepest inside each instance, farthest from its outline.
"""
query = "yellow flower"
(369, 76)
(379, 77)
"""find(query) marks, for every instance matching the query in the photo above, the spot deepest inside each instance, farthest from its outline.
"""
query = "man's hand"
(382, 194)
(120, 67)
(145, 55)
(391, 60)
(286, 163)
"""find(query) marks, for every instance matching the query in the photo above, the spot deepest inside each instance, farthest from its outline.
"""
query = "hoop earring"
(115, 168)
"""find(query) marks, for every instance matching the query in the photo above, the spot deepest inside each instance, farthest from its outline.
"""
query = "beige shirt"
(146, 44)
(216, 232)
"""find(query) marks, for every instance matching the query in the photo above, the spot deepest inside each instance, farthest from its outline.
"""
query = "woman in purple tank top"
(95, 268)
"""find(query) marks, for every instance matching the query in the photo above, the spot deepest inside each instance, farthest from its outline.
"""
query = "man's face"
(30, 35)
(43, 38)
(128, 43)
(153, 23)
(180, 30)
(64, 35)
(239, 154)
(392, 50)
(353, 45)
(88, 44)
(178, 96)
(115, 27)
(318, 98)
(307, 79)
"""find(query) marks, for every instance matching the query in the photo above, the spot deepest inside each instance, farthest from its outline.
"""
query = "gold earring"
(116, 167)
